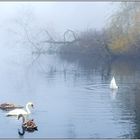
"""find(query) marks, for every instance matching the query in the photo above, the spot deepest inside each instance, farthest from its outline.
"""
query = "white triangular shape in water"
(113, 84)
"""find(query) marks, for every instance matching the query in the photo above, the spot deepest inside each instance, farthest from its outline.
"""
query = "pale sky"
(63, 15)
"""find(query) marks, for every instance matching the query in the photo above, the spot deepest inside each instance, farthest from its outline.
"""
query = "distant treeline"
(89, 43)
(121, 36)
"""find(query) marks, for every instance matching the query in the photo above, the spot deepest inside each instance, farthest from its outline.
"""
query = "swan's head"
(31, 104)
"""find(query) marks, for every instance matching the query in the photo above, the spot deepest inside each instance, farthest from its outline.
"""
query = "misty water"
(71, 96)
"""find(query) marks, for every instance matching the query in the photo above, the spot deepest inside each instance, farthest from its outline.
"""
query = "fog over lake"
(70, 87)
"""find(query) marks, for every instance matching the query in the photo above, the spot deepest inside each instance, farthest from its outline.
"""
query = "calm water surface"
(72, 98)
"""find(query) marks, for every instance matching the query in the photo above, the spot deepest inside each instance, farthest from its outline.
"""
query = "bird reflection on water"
(21, 132)
(113, 94)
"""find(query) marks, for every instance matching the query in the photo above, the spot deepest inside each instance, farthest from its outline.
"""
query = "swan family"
(18, 111)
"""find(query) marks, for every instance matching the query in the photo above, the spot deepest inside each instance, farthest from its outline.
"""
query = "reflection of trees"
(125, 67)
(88, 65)
(126, 106)
(137, 112)
(127, 72)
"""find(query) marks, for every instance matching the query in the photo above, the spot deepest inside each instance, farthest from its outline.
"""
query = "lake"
(71, 96)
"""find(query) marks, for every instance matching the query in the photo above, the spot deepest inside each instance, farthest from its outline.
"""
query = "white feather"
(113, 84)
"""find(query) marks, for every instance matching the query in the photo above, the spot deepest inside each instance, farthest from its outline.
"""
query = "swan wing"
(16, 112)
(113, 84)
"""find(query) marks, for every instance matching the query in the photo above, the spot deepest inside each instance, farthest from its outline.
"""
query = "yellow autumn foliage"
(125, 29)
(120, 44)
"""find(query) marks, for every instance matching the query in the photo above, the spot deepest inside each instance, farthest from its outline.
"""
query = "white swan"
(16, 112)
(113, 84)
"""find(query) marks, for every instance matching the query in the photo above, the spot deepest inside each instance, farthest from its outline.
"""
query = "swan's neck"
(27, 108)
(23, 118)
